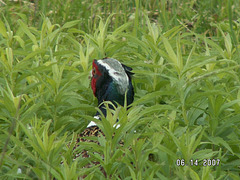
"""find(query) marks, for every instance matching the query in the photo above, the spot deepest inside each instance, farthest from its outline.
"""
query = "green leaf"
(172, 57)
(204, 154)
(27, 31)
(20, 41)
(221, 141)
(3, 30)
(193, 174)
(70, 24)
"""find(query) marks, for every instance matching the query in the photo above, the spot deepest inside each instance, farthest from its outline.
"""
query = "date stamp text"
(204, 162)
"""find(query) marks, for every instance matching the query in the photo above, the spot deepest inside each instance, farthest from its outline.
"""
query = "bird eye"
(93, 71)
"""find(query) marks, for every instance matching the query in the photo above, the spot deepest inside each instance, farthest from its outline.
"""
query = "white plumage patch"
(19, 171)
(117, 72)
(92, 123)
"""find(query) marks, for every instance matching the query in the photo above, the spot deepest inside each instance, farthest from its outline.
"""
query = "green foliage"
(185, 56)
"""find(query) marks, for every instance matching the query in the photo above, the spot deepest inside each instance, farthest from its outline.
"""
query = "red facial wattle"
(95, 75)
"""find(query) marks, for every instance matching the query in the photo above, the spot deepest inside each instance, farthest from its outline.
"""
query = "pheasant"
(110, 81)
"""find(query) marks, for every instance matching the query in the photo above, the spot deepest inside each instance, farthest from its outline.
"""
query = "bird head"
(110, 81)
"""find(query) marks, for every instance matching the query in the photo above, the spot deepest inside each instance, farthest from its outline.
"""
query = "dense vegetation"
(186, 59)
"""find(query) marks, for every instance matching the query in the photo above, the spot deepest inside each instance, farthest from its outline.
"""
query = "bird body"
(110, 81)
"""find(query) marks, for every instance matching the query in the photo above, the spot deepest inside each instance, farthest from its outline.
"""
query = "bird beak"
(90, 75)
